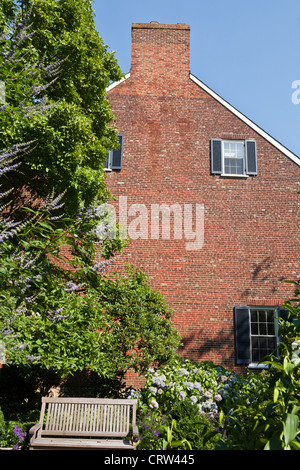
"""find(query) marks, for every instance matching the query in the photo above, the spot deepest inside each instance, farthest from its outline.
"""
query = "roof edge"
(114, 84)
(247, 121)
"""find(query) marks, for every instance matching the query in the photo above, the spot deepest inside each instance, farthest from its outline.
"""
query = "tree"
(72, 127)
(60, 313)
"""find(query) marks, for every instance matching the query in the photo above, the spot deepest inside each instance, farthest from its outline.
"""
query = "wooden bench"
(85, 423)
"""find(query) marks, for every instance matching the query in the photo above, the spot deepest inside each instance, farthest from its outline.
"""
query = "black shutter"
(251, 157)
(216, 156)
(242, 335)
(117, 156)
(284, 314)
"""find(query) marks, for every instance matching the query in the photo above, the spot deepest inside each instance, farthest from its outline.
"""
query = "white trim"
(251, 124)
(114, 84)
(237, 113)
(225, 175)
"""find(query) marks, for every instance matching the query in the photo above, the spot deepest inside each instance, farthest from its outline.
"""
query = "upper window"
(233, 157)
(114, 157)
(256, 333)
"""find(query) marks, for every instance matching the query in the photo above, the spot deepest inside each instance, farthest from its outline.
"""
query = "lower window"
(256, 333)
(263, 333)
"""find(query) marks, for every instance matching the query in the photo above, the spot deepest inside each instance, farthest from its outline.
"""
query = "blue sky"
(246, 51)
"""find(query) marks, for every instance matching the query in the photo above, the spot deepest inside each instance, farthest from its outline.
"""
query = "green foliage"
(157, 432)
(46, 321)
(193, 427)
(59, 313)
(213, 408)
(182, 400)
(7, 8)
(142, 321)
(2, 425)
(56, 69)
(204, 384)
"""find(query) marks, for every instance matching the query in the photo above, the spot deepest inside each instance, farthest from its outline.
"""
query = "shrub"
(187, 396)
(193, 426)
(2, 426)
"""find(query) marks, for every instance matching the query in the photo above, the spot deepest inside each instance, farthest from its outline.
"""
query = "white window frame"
(110, 154)
(109, 161)
(234, 175)
(257, 365)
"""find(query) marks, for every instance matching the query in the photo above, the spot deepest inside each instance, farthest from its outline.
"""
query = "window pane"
(271, 329)
(263, 338)
(262, 329)
(272, 343)
(254, 316)
(262, 316)
(240, 150)
(233, 153)
(263, 342)
(270, 316)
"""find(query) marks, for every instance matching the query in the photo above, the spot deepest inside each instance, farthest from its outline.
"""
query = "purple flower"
(20, 346)
(33, 358)
(18, 432)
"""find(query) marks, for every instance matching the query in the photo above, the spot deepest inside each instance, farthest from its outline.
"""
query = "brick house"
(209, 199)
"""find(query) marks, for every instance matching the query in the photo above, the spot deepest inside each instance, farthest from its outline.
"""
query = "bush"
(12, 434)
(193, 426)
(182, 401)
(2, 426)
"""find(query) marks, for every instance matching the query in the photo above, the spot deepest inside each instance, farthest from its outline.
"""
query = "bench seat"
(81, 444)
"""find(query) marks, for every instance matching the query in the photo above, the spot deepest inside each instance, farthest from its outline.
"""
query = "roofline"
(247, 121)
(114, 84)
(237, 113)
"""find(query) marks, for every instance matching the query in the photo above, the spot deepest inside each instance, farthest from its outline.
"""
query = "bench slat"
(82, 443)
(82, 418)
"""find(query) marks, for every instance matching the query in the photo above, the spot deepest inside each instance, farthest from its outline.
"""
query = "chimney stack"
(160, 52)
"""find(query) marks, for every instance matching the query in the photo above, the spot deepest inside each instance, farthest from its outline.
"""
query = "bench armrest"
(33, 430)
(135, 431)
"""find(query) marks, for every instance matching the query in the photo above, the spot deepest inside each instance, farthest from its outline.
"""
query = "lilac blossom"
(33, 358)
(20, 346)
(52, 202)
(71, 286)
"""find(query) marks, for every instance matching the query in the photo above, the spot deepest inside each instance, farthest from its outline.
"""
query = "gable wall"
(251, 226)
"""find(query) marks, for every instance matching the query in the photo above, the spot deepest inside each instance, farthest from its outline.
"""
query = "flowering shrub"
(150, 439)
(268, 417)
(20, 435)
(204, 384)
(12, 435)
(195, 397)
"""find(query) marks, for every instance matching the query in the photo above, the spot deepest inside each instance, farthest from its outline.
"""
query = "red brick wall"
(251, 229)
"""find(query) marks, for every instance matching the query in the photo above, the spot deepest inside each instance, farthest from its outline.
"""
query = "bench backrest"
(87, 417)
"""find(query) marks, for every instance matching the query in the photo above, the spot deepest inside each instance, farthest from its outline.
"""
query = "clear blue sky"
(246, 51)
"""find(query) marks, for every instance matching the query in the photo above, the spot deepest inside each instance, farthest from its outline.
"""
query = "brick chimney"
(160, 52)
